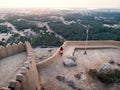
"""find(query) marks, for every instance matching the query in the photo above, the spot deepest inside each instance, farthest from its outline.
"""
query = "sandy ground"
(93, 59)
(9, 67)
(4, 36)
(44, 53)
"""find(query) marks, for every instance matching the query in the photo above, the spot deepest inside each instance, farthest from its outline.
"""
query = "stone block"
(69, 63)
(60, 78)
(23, 70)
(19, 77)
(12, 84)
(27, 64)
(4, 88)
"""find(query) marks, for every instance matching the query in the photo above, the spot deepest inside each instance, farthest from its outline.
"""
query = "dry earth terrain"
(93, 60)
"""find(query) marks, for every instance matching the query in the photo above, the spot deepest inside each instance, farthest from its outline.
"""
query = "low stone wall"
(92, 43)
(11, 50)
(27, 78)
(49, 61)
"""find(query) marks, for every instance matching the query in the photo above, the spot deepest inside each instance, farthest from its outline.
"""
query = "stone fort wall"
(92, 43)
(11, 49)
(48, 61)
(27, 78)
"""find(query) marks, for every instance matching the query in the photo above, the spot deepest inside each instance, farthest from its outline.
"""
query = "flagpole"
(86, 41)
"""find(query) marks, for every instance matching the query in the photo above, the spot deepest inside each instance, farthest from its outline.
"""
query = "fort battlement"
(27, 77)
(11, 49)
(48, 61)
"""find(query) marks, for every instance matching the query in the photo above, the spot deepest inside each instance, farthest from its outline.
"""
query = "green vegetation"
(3, 29)
(23, 24)
(16, 38)
(69, 32)
(74, 31)
(111, 77)
(38, 29)
(2, 21)
(45, 39)
(77, 31)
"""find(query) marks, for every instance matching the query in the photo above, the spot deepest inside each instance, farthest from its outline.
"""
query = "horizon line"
(60, 7)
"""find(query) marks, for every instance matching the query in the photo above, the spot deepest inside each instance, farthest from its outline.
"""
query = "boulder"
(118, 64)
(111, 61)
(71, 84)
(69, 63)
(107, 68)
(78, 76)
(93, 72)
(60, 78)
(109, 73)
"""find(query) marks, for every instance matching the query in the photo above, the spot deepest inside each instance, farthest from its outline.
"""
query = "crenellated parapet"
(13, 49)
(27, 77)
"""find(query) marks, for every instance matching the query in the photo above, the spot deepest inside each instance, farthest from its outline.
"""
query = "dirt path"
(52, 31)
(12, 28)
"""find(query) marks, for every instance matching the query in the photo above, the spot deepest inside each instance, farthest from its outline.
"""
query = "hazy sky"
(61, 3)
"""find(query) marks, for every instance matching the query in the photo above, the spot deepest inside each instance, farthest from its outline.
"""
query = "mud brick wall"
(27, 77)
(10, 50)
